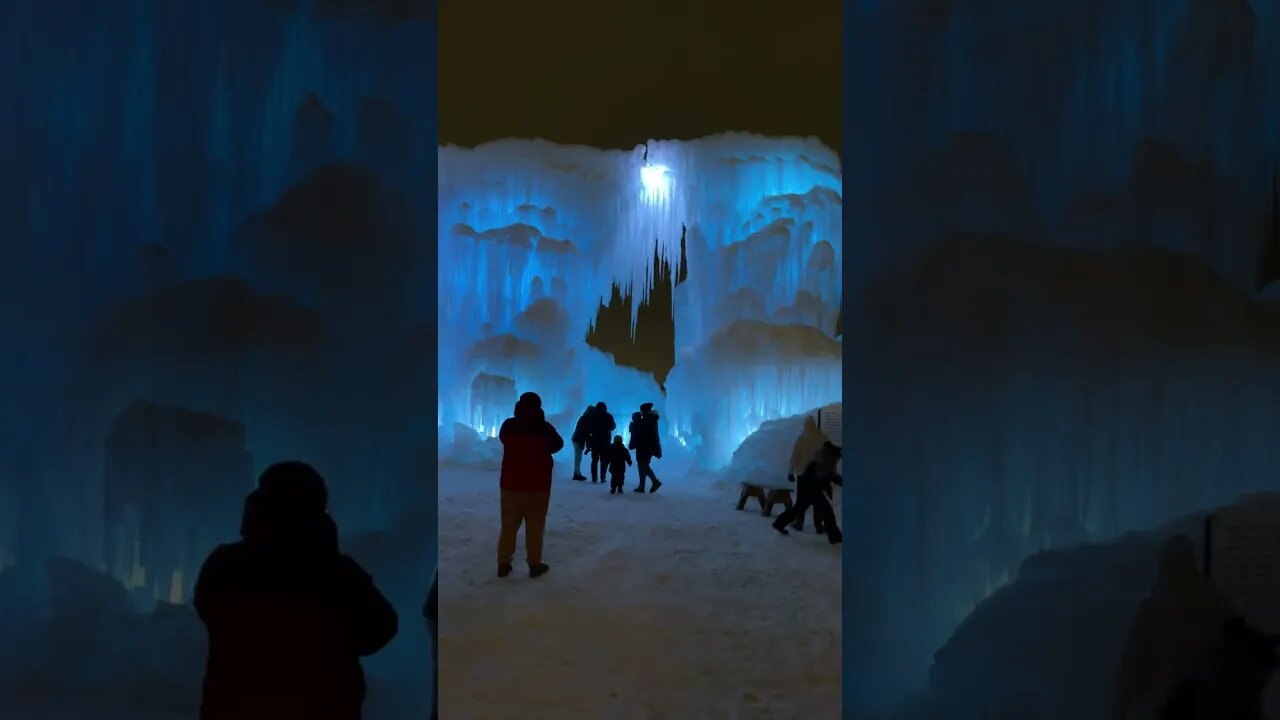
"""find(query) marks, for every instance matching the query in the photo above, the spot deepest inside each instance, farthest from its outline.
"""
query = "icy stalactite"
(525, 222)
(143, 124)
(174, 484)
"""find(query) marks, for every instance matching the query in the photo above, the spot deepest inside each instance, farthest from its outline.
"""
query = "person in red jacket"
(528, 442)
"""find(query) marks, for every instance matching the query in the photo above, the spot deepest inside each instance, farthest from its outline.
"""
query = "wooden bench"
(767, 495)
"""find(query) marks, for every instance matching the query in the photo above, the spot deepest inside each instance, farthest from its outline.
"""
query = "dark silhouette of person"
(1178, 624)
(528, 442)
(581, 435)
(806, 446)
(812, 490)
(598, 441)
(431, 611)
(1228, 681)
(647, 443)
(633, 428)
(619, 459)
(288, 615)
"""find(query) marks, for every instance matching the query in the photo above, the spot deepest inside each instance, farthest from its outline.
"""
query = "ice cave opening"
(703, 276)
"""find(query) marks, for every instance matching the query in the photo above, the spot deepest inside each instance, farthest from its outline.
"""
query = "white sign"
(830, 421)
(1244, 561)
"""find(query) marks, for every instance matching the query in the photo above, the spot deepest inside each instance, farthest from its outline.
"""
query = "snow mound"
(1048, 644)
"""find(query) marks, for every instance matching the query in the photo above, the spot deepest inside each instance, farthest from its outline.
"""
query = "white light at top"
(656, 180)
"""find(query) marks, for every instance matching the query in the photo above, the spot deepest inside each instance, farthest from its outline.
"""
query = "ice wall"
(138, 139)
(533, 235)
(1069, 89)
(151, 154)
(1082, 383)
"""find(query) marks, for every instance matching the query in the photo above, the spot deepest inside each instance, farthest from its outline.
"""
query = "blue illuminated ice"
(656, 180)
(532, 235)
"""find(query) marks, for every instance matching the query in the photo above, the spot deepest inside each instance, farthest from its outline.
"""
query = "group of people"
(593, 435)
(528, 444)
(283, 606)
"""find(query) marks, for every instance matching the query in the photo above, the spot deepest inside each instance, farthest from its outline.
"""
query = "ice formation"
(533, 236)
(1105, 131)
(141, 148)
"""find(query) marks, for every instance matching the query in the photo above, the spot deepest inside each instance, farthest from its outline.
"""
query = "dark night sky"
(614, 73)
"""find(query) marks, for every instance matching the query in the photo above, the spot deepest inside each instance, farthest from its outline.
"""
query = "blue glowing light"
(527, 251)
(656, 180)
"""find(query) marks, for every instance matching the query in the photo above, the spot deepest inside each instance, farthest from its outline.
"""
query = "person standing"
(581, 434)
(528, 442)
(288, 615)
(431, 611)
(647, 442)
(598, 441)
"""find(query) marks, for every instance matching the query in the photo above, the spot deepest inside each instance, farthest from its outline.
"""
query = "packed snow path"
(656, 606)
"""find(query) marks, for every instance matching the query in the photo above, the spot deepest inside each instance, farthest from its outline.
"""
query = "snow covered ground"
(656, 606)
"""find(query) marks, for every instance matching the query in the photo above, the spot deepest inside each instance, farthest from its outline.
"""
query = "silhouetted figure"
(598, 441)
(528, 442)
(807, 445)
(431, 611)
(1269, 261)
(288, 616)
(1229, 681)
(1179, 621)
(647, 443)
(619, 459)
(633, 429)
(813, 489)
(581, 435)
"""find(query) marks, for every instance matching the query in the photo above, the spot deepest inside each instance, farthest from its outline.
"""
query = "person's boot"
(504, 569)
(798, 524)
(835, 537)
(639, 489)
(579, 477)
(780, 526)
(538, 570)
(653, 486)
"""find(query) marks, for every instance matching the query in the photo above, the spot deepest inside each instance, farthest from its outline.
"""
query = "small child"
(619, 459)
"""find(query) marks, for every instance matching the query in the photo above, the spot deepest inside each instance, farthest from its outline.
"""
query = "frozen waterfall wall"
(1131, 146)
(533, 235)
(138, 140)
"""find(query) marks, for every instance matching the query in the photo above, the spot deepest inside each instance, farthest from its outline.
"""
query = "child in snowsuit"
(619, 459)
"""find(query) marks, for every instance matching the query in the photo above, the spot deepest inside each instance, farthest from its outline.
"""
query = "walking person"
(812, 490)
(805, 449)
(581, 434)
(598, 441)
(528, 442)
(619, 459)
(646, 441)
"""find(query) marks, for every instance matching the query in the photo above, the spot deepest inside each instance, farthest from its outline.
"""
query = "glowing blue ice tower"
(533, 235)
